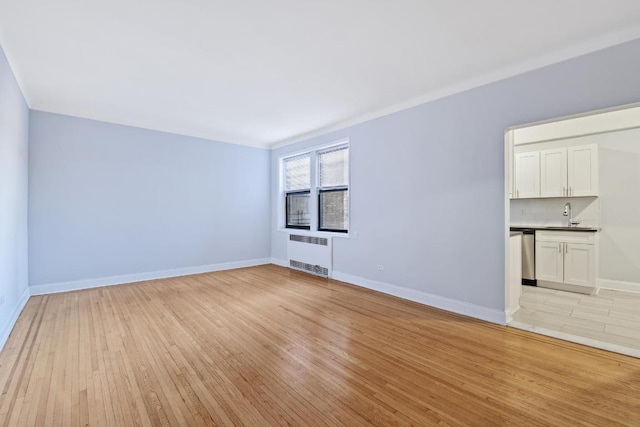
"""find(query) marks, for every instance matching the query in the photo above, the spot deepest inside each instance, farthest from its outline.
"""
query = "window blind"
(297, 173)
(333, 167)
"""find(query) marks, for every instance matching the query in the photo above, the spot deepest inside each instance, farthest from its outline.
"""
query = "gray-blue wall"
(14, 128)
(108, 200)
(427, 187)
(427, 184)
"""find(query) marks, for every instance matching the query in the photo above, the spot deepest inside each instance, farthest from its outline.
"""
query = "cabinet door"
(553, 173)
(582, 170)
(549, 261)
(527, 175)
(579, 264)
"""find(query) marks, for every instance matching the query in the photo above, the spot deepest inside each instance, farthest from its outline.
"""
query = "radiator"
(310, 254)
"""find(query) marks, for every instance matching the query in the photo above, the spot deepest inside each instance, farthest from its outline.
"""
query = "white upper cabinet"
(582, 170)
(553, 173)
(558, 172)
(527, 175)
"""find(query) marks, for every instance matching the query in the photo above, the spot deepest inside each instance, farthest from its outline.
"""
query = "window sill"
(313, 233)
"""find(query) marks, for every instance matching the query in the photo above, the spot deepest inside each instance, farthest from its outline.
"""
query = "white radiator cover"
(310, 254)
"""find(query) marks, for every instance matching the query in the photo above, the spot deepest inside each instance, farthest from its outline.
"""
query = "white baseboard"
(449, 304)
(280, 262)
(509, 313)
(52, 288)
(618, 285)
(6, 329)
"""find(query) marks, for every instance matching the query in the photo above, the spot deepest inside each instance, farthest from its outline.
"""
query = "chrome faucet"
(568, 212)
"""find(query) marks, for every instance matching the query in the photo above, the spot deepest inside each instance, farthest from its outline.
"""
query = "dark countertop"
(548, 228)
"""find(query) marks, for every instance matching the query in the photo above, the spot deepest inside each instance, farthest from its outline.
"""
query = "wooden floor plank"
(269, 346)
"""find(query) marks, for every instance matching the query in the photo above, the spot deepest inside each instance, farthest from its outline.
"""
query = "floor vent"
(310, 254)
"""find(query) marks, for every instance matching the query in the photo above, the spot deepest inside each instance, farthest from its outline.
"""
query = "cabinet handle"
(559, 248)
(570, 191)
(566, 248)
(517, 193)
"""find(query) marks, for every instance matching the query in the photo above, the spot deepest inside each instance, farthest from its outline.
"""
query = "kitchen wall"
(14, 128)
(107, 200)
(549, 212)
(427, 183)
(620, 208)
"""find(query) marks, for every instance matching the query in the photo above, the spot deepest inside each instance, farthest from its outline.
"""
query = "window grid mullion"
(334, 188)
(313, 205)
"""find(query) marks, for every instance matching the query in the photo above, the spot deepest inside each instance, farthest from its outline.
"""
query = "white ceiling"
(265, 73)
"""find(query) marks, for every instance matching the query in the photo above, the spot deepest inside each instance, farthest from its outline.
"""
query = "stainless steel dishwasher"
(529, 257)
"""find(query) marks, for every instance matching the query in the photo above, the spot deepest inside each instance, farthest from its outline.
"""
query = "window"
(325, 173)
(333, 189)
(297, 173)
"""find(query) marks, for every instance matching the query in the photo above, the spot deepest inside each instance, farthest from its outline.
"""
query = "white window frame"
(315, 190)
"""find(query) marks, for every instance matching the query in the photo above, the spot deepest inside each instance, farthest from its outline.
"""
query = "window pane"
(334, 210)
(333, 166)
(298, 210)
(297, 173)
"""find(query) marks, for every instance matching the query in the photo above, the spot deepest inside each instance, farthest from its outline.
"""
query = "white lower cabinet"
(567, 258)
(549, 262)
(579, 264)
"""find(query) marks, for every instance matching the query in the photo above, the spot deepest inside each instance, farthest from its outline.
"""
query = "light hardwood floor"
(267, 346)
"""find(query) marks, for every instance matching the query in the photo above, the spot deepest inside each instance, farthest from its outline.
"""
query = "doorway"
(590, 292)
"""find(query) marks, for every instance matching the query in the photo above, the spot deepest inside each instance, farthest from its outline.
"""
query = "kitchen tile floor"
(611, 318)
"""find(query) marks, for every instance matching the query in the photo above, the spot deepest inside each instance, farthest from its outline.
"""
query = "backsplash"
(548, 212)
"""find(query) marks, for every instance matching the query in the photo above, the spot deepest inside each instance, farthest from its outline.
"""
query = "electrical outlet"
(380, 267)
